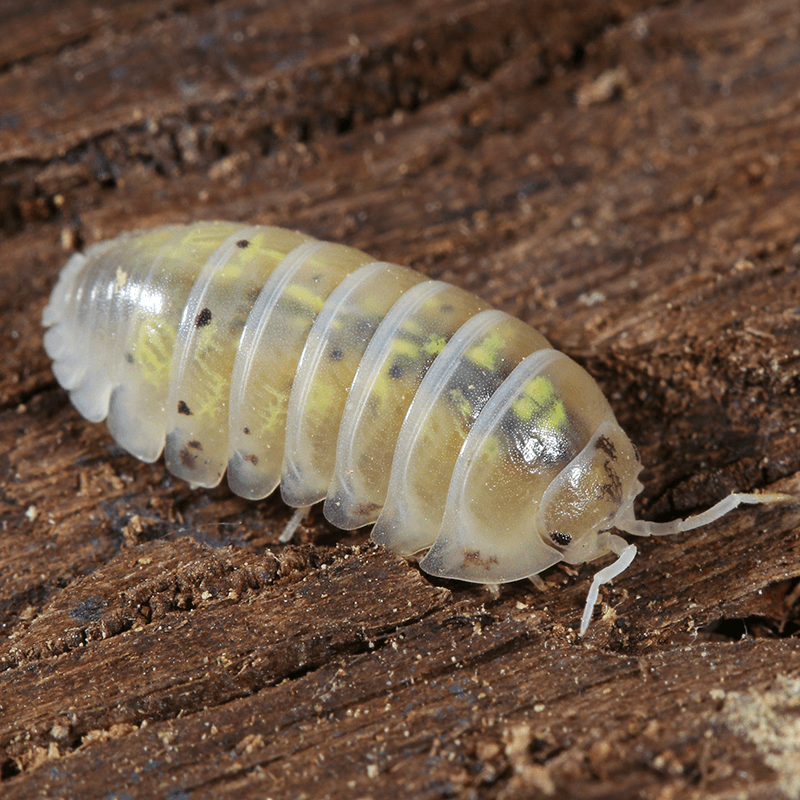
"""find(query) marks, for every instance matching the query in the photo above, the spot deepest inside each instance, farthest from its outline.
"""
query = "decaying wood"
(623, 175)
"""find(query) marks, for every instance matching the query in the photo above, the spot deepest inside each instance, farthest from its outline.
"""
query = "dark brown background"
(623, 175)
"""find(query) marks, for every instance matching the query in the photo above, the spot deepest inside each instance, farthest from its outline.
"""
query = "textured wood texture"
(623, 175)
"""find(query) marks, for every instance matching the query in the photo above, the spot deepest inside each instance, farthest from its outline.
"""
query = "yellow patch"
(485, 355)
(320, 401)
(412, 328)
(152, 351)
(462, 405)
(211, 382)
(434, 345)
(307, 299)
(539, 400)
(269, 415)
(403, 347)
(557, 418)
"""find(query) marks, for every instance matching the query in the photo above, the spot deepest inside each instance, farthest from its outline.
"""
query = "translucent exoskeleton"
(400, 401)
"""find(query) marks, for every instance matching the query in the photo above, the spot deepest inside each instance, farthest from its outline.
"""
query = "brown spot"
(473, 558)
(246, 431)
(203, 318)
(195, 445)
(607, 446)
(253, 459)
(242, 243)
(367, 509)
(184, 409)
(613, 489)
(188, 459)
(561, 539)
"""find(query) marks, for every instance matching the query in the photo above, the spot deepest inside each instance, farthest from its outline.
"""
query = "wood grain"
(622, 175)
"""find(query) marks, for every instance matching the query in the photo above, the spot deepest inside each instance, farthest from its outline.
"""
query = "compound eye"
(561, 539)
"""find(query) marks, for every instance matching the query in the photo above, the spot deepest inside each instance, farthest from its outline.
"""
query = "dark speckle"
(365, 328)
(395, 371)
(203, 318)
(246, 431)
(446, 308)
(253, 459)
(242, 243)
(606, 445)
(195, 445)
(337, 354)
(129, 357)
(184, 409)
(474, 558)
(613, 489)
(561, 539)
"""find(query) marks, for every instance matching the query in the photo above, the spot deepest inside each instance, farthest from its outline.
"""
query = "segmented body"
(397, 400)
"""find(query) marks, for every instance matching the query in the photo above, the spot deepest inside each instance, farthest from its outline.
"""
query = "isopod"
(398, 400)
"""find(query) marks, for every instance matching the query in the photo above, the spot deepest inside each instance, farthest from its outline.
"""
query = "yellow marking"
(412, 328)
(379, 392)
(320, 401)
(229, 272)
(540, 389)
(270, 414)
(485, 354)
(525, 408)
(491, 449)
(463, 406)
(403, 347)
(539, 399)
(209, 382)
(310, 301)
(434, 345)
(152, 351)
(241, 260)
(557, 419)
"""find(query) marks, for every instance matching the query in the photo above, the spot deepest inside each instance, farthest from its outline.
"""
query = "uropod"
(400, 401)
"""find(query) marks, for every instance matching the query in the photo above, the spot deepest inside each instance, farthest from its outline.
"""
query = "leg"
(538, 582)
(625, 552)
(293, 524)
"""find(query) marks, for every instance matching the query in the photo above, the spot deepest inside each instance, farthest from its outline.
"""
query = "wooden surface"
(625, 176)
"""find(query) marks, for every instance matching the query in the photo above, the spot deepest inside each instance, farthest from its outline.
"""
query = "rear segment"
(113, 319)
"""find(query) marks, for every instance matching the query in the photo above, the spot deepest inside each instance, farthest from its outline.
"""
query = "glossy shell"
(398, 400)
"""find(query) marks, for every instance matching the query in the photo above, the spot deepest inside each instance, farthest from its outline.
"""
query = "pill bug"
(398, 400)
